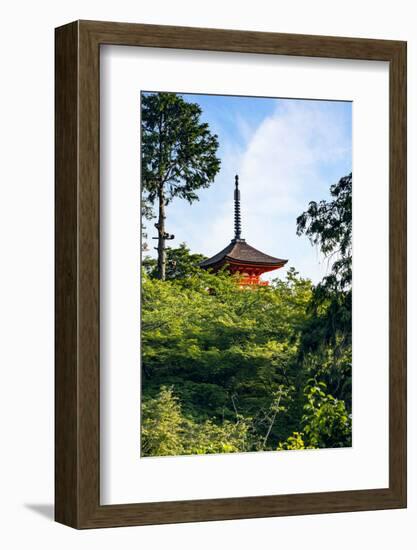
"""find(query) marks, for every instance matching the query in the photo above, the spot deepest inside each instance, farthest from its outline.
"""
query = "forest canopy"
(226, 369)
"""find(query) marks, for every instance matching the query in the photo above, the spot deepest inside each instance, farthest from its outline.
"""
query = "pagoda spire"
(238, 227)
(240, 258)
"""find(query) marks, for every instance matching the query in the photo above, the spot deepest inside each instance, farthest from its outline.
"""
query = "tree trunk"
(161, 237)
(269, 430)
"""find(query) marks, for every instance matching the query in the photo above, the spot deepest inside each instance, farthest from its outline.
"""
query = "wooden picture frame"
(77, 405)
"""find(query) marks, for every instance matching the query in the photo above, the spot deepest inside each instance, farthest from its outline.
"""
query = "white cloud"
(283, 167)
(291, 158)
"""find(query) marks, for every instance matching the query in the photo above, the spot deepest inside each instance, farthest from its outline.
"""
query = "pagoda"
(240, 258)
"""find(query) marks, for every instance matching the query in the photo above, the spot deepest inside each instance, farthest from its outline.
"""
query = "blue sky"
(287, 152)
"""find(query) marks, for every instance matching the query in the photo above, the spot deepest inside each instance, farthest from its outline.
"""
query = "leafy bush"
(224, 369)
(231, 370)
(166, 431)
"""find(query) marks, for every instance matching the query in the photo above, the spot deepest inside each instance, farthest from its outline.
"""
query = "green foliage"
(161, 424)
(233, 358)
(180, 263)
(208, 437)
(146, 214)
(280, 397)
(226, 369)
(326, 420)
(328, 224)
(166, 431)
(294, 442)
(326, 341)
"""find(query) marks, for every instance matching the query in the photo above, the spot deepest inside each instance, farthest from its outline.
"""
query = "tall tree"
(328, 334)
(328, 224)
(178, 156)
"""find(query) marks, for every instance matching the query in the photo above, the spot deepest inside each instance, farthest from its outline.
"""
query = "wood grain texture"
(78, 284)
(398, 273)
(66, 304)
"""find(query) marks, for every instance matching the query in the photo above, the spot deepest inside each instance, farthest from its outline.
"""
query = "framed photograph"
(230, 274)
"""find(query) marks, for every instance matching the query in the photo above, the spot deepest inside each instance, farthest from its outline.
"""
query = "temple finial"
(237, 209)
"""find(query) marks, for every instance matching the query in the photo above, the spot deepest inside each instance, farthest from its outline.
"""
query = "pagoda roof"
(240, 252)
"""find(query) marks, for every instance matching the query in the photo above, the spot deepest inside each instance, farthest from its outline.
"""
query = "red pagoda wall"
(251, 274)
